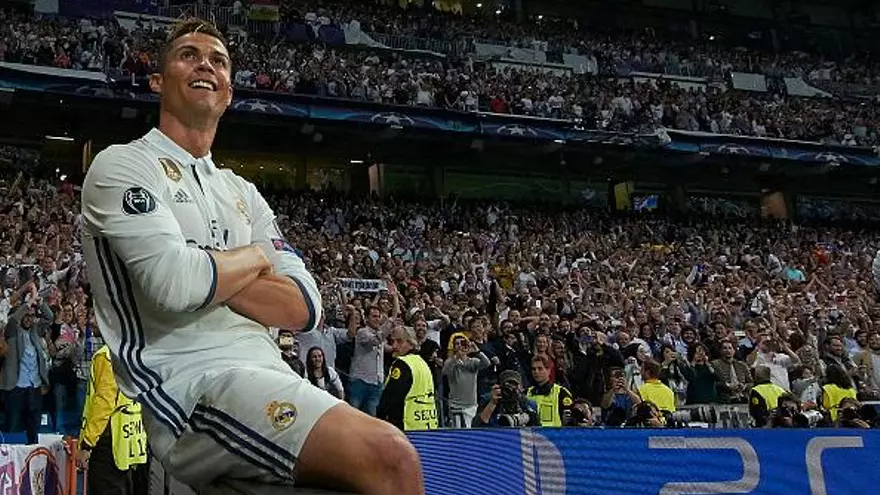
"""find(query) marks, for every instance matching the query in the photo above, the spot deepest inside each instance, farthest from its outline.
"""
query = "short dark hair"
(185, 27)
(651, 369)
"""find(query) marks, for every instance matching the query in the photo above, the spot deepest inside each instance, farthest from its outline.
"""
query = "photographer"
(789, 414)
(507, 406)
(646, 414)
(764, 397)
(850, 414)
(581, 414)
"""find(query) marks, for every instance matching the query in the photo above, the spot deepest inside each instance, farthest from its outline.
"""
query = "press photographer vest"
(419, 407)
(770, 393)
(548, 405)
(126, 426)
(832, 395)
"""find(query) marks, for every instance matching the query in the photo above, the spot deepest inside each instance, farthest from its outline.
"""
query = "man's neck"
(194, 137)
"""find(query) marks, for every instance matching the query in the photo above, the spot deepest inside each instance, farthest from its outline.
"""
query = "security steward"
(408, 398)
(764, 397)
(554, 401)
(112, 442)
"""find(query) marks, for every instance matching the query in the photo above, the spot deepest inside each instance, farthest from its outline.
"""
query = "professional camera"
(514, 410)
(808, 419)
(516, 420)
(684, 417)
(789, 415)
(510, 398)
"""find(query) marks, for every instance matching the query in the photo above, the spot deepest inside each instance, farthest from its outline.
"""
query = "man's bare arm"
(273, 301)
(237, 269)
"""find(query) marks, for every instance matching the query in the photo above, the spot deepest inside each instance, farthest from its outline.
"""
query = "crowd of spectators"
(614, 305)
(596, 100)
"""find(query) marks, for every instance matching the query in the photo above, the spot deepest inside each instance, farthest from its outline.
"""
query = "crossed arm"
(246, 283)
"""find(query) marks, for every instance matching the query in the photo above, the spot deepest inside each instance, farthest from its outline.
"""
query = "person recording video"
(507, 405)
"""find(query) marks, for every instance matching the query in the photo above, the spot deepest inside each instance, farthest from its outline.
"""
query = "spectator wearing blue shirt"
(618, 400)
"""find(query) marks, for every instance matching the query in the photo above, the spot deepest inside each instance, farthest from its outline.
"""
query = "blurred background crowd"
(706, 305)
(307, 51)
(778, 319)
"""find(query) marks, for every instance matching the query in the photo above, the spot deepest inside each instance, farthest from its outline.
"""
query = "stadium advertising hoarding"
(551, 461)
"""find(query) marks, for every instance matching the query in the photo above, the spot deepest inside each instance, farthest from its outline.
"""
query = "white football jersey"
(151, 214)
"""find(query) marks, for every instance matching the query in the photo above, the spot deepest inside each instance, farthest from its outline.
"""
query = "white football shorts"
(251, 424)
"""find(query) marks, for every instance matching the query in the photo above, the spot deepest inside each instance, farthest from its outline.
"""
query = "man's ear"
(229, 96)
(156, 83)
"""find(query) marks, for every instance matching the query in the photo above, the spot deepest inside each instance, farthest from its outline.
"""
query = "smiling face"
(194, 84)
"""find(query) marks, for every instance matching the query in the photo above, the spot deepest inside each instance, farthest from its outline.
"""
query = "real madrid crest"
(242, 208)
(171, 168)
(281, 415)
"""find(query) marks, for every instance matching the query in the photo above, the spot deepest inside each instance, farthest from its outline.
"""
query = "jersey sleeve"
(286, 260)
(125, 216)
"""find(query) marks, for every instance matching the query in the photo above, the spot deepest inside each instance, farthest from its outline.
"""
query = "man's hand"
(496, 394)
(82, 458)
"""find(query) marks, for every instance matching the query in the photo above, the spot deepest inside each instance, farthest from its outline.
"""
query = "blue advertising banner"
(557, 461)
(779, 149)
(477, 124)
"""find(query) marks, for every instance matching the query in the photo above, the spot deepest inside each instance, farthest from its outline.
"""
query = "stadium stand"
(714, 287)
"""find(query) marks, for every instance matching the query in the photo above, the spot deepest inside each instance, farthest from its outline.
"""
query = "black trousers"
(104, 478)
(23, 409)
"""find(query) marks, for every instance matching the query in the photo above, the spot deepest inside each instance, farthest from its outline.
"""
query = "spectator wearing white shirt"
(766, 354)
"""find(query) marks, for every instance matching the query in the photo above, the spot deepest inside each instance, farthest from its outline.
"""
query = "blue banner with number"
(642, 462)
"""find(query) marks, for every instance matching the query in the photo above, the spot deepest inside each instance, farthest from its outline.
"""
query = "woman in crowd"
(701, 387)
(321, 375)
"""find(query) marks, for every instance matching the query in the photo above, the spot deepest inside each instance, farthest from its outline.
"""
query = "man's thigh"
(251, 424)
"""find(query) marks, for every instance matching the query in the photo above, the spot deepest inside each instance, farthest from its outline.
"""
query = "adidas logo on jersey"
(181, 197)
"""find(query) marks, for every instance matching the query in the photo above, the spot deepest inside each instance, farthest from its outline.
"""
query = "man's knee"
(392, 451)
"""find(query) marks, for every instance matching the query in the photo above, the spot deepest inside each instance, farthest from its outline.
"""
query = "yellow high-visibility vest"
(662, 396)
(419, 407)
(770, 392)
(126, 425)
(832, 395)
(548, 405)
